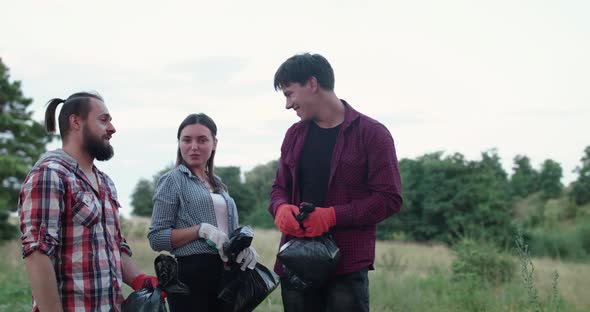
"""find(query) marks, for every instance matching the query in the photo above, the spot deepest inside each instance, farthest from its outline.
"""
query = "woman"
(192, 216)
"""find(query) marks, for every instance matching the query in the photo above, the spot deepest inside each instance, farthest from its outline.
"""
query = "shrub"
(483, 261)
(583, 236)
(258, 217)
(560, 245)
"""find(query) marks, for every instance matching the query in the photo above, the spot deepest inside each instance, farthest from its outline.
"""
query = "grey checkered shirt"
(182, 200)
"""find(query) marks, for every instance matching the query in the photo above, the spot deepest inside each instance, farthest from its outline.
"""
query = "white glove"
(248, 257)
(215, 238)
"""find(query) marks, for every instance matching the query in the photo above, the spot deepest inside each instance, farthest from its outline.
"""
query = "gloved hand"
(248, 257)
(215, 238)
(146, 281)
(286, 222)
(319, 221)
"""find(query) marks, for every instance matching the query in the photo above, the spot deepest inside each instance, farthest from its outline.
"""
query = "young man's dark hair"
(77, 104)
(299, 68)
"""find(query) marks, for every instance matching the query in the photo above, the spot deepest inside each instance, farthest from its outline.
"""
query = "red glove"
(146, 281)
(319, 221)
(286, 222)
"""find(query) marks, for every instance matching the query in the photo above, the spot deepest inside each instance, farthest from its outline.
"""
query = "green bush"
(259, 217)
(482, 261)
(559, 244)
(583, 236)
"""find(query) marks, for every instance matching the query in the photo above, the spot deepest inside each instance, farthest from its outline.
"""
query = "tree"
(448, 197)
(141, 198)
(22, 141)
(242, 195)
(550, 179)
(524, 180)
(581, 187)
(259, 180)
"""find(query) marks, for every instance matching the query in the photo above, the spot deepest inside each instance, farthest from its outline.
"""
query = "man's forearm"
(43, 282)
(129, 268)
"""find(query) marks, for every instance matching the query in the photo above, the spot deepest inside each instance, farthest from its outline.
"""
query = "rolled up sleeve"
(40, 207)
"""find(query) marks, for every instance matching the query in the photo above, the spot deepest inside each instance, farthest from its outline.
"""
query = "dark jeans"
(349, 292)
(202, 274)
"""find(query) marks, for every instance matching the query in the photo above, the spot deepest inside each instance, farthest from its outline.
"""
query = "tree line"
(445, 196)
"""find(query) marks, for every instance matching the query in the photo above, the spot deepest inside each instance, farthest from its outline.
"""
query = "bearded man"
(74, 252)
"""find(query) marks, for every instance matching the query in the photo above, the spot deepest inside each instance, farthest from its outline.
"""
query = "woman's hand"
(215, 238)
(248, 258)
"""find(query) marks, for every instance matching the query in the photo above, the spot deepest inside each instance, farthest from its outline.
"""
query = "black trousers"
(202, 274)
(349, 292)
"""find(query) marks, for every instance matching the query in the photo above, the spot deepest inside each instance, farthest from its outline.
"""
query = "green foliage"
(260, 180)
(448, 197)
(259, 217)
(555, 300)
(242, 195)
(527, 270)
(22, 141)
(143, 193)
(557, 244)
(481, 261)
(581, 187)
(524, 180)
(400, 283)
(251, 197)
(550, 179)
(141, 198)
(583, 236)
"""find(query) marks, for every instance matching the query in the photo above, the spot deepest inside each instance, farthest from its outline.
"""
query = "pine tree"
(22, 141)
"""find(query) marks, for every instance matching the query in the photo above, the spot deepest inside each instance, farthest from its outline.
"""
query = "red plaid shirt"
(78, 228)
(364, 185)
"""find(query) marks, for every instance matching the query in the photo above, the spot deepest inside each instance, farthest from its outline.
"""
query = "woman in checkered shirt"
(193, 214)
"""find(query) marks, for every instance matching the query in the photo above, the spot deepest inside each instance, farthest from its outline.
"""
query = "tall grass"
(408, 277)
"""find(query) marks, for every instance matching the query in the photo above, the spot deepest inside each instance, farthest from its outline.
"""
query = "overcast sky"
(453, 76)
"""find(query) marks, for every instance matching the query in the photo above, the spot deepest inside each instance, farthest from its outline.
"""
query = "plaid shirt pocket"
(85, 211)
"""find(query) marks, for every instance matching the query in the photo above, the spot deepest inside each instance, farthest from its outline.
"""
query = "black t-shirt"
(314, 164)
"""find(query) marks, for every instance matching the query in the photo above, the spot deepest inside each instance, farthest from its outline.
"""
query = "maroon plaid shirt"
(63, 217)
(364, 185)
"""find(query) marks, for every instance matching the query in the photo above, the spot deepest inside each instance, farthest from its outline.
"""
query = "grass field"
(408, 277)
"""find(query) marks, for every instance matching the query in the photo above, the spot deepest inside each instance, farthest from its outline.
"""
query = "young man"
(343, 162)
(74, 252)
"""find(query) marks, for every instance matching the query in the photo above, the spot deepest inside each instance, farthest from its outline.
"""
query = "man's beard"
(96, 148)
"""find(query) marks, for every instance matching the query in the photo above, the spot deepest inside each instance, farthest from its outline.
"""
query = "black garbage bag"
(244, 290)
(167, 272)
(308, 262)
(150, 299)
(247, 289)
(145, 300)
(291, 281)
